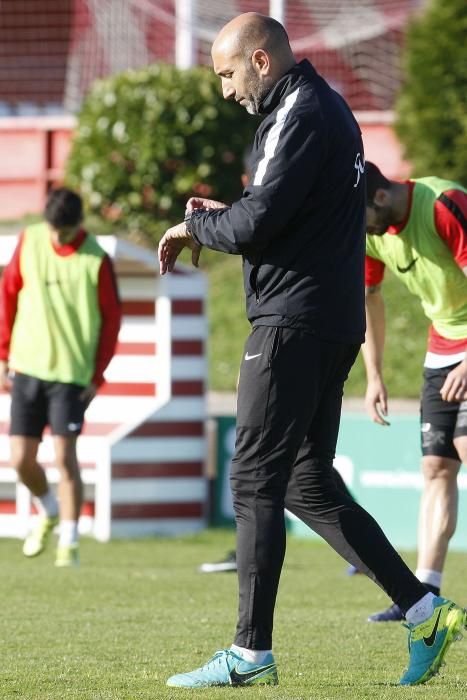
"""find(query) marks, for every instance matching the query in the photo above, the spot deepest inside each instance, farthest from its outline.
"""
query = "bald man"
(300, 228)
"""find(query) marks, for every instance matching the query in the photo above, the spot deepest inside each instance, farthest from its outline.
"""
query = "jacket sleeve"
(288, 163)
(10, 286)
(111, 313)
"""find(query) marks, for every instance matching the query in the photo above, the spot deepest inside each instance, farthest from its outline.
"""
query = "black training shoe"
(391, 614)
(229, 563)
(353, 570)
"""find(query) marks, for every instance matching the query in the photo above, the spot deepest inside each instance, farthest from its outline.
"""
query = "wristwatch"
(187, 221)
(188, 217)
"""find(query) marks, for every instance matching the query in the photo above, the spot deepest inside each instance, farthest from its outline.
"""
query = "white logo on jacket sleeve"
(359, 167)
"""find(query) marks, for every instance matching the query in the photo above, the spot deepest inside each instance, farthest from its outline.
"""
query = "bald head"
(250, 31)
(250, 54)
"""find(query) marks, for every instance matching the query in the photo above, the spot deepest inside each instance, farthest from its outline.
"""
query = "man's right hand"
(202, 203)
(5, 381)
(376, 401)
(174, 240)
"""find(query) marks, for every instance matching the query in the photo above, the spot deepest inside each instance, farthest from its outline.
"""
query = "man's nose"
(228, 91)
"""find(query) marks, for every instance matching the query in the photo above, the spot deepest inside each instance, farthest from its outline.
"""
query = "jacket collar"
(303, 69)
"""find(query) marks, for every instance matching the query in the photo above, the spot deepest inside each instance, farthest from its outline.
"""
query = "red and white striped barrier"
(143, 448)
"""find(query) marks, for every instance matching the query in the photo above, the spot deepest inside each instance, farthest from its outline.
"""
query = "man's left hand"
(171, 245)
(455, 384)
(88, 394)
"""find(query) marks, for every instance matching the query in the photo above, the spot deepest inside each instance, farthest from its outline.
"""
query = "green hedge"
(432, 108)
(149, 139)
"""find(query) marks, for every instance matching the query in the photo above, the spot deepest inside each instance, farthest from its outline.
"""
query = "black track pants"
(289, 405)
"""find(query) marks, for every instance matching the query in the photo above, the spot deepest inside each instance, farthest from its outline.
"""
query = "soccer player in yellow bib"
(417, 229)
(59, 322)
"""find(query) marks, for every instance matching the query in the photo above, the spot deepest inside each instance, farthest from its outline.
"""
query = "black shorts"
(36, 403)
(441, 421)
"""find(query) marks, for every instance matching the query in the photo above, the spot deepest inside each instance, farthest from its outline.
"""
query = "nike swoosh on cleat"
(239, 678)
(409, 266)
(429, 641)
(251, 357)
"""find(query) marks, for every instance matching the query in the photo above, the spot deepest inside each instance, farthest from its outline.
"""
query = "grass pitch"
(137, 612)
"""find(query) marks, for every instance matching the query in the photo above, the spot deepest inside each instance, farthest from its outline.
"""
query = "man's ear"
(382, 197)
(261, 62)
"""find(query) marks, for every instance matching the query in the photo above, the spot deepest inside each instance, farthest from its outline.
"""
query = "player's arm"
(10, 286)
(373, 347)
(450, 215)
(111, 314)
(455, 384)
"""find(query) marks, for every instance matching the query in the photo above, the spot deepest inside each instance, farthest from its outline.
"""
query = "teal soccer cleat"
(430, 640)
(227, 668)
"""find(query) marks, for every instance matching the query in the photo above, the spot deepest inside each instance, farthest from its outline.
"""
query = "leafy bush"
(432, 107)
(149, 139)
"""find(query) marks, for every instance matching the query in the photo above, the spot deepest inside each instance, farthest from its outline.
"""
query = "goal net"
(52, 50)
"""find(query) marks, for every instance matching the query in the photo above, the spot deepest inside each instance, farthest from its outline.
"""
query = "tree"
(431, 112)
(149, 139)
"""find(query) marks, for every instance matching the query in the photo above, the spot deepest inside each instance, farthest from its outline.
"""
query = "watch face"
(189, 215)
(187, 220)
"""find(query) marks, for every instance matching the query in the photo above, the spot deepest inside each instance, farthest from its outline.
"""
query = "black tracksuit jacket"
(300, 224)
